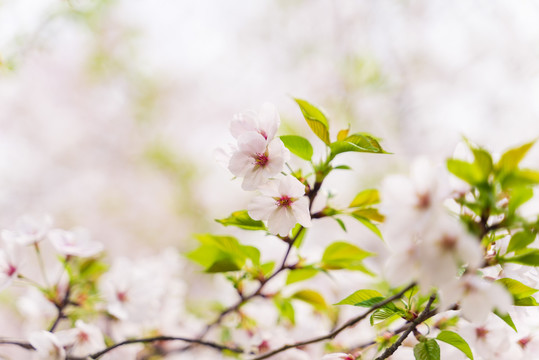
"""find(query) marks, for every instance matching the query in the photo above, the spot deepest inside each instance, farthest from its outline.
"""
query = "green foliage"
(285, 309)
(457, 341)
(242, 220)
(223, 253)
(316, 120)
(311, 297)
(506, 318)
(427, 350)
(526, 256)
(522, 294)
(342, 255)
(359, 142)
(366, 198)
(512, 157)
(298, 146)
(367, 223)
(301, 274)
(359, 297)
(520, 240)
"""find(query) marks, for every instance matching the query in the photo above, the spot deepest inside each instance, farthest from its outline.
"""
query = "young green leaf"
(314, 298)
(512, 157)
(296, 275)
(506, 318)
(368, 224)
(242, 220)
(356, 143)
(427, 350)
(528, 257)
(527, 301)
(298, 146)
(316, 120)
(285, 309)
(516, 288)
(520, 240)
(383, 314)
(457, 341)
(466, 171)
(366, 198)
(342, 255)
(369, 214)
(359, 297)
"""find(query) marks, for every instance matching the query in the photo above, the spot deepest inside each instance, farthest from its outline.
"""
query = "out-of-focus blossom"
(82, 340)
(477, 297)
(10, 263)
(338, 356)
(256, 161)
(283, 204)
(47, 345)
(74, 243)
(265, 122)
(28, 230)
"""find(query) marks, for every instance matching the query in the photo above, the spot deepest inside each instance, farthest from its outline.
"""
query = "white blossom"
(338, 356)
(82, 340)
(74, 243)
(10, 263)
(256, 161)
(28, 230)
(283, 204)
(47, 345)
(265, 122)
(476, 296)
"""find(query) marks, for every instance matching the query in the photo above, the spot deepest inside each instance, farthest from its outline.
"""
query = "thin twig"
(335, 332)
(411, 327)
(23, 344)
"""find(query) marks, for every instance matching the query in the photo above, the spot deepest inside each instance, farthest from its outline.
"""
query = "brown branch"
(60, 308)
(23, 344)
(337, 331)
(427, 313)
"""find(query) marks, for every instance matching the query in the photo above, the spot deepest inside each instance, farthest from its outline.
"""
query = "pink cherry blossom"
(28, 230)
(283, 204)
(10, 263)
(75, 243)
(338, 356)
(256, 161)
(82, 340)
(266, 122)
(47, 345)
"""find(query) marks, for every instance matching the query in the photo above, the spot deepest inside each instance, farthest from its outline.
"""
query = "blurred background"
(110, 110)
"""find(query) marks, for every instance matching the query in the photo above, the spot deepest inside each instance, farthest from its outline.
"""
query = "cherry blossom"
(265, 122)
(10, 263)
(256, 161)
(28, 230)
(82, 340)
(75, 243)
(283, 204)
(477, 297)
(47, 345)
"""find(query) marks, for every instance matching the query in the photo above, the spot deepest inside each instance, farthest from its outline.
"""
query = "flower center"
(524, 341)
(284, 201)
(481, 332)
(82, 337)
(423, 201)
(263, 133)
(11, 270)
(122, 296)
(448, 243)
(261, 159)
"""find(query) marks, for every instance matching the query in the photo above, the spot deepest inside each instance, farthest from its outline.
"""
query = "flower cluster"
(259, 157)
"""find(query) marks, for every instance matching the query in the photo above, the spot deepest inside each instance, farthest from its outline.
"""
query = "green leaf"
(342, 134)
(506, 318)
(359, 297)
(512, 157)
(518, 196)
(285, 309)
(242, 220)
(483, 162)
(298, 146)
(298, 233)
(427, 350)
(267, 267)
(311, 297)
(516, 288)
(527, 301)
(223, 265)
(342, 255)
(520, 240)
(457, 341)
(342, 167)
(370, 214)
(356, 143)
(365, 198)
(383, 314)
(316, 120)
(465, 171)
(296, 275)
(341, 223)
(528, 257)
(368, 224)
(520, 177)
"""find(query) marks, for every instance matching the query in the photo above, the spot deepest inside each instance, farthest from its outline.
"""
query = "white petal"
(261, 207)
(252, 143)
(300, 208)
(254, 178)
(291, 186)
(269, 120)
(240, 163)
(281, 221)
(243, 122)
